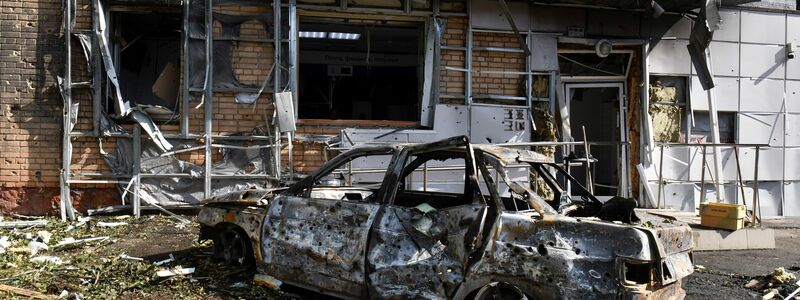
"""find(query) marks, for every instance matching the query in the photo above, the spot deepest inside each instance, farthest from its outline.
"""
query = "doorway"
(599, 109)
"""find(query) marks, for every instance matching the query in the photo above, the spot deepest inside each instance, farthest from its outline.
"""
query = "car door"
(315, 234)
(422, 239)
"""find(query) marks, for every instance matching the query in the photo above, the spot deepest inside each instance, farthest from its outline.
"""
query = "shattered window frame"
(305, 187)
(116, 13)
(417, 114)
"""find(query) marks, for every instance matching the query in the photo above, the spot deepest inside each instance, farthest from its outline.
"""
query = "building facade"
(137, 78)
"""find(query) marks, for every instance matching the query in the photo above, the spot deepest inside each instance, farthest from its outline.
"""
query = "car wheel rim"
(500, 291)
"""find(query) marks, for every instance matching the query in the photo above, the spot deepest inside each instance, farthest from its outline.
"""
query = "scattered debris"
(44, 236)
(47, 259)
(780, 276)
(35, 246)
(267, 281)
(767, 284)
(72, 241)
(125, 256)
(771, 293)
(166, 261)
(175, 271)
(699, 268)
(23, 224)
(111, 224)
(24, 292)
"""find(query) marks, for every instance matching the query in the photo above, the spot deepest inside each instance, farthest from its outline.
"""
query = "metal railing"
(739, 182)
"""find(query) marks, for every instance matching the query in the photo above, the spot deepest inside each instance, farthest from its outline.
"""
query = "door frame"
(568, 86)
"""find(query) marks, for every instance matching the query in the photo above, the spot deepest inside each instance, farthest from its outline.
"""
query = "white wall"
(755, 79)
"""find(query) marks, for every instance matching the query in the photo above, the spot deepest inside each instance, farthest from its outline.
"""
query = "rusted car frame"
(497, 237)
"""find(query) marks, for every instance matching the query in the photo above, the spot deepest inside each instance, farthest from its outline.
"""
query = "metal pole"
(712, 115)
(468, 74)
(136, 168)
(703, 176)
(739, 180)
(208, 95)
(425, 176)
(185, 97)
(589, 183)
(660, 177)
(65, 204)
(97, 79)
(277, 38)
(756, 204)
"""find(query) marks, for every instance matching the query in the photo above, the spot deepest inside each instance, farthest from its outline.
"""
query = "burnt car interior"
(410, 193)
(337, 185)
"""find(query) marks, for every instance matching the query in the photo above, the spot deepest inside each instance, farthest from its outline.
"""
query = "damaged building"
(159, 104)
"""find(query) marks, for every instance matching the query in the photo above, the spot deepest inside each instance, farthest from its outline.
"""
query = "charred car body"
(487, 233)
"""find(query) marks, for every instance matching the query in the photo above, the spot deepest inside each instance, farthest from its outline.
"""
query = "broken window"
(701, 131)
(147, 55)
(439, 181)
(360, 70)
(357, 179)
(668, 108)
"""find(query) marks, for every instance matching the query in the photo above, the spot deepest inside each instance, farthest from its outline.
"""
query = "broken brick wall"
(32, 57)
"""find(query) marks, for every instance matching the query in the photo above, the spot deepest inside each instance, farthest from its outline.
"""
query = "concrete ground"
(726, 272)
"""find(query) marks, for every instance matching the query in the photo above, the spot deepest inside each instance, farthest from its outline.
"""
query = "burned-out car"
(451, 220)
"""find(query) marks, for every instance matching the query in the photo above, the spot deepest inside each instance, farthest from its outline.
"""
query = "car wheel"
(500, 291)
(233, 247)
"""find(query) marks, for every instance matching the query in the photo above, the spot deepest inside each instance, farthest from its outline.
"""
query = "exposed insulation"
(666, 123)
(545, 131)
(664, 94)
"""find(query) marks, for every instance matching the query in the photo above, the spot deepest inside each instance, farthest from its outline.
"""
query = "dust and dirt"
(122, 266)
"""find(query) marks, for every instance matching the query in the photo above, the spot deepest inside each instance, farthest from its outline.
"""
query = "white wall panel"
(711, 193)
(793, 35)
(729, 31)
(670, 57)
(725, 58)
(760, 61)
(680, 196)
(760, 128)
(763, 27)
(770, 163)
(544, 52)
(490, 124)
(761, 95)
(727, 94)
(793, 95)
(488, 15)
(793, 131)
(696, 160)
(770, 194)
(451, 120)
(791, 194)
(676, 162)
(792, 164)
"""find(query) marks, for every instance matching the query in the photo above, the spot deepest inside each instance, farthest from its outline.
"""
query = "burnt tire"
(232, 246)
(500, 291)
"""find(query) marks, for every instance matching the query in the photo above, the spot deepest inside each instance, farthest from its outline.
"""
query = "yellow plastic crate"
(720, 222)
(724, 210)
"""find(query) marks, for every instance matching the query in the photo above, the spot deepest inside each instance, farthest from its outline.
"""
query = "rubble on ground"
(774, 285)
(100, 258)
